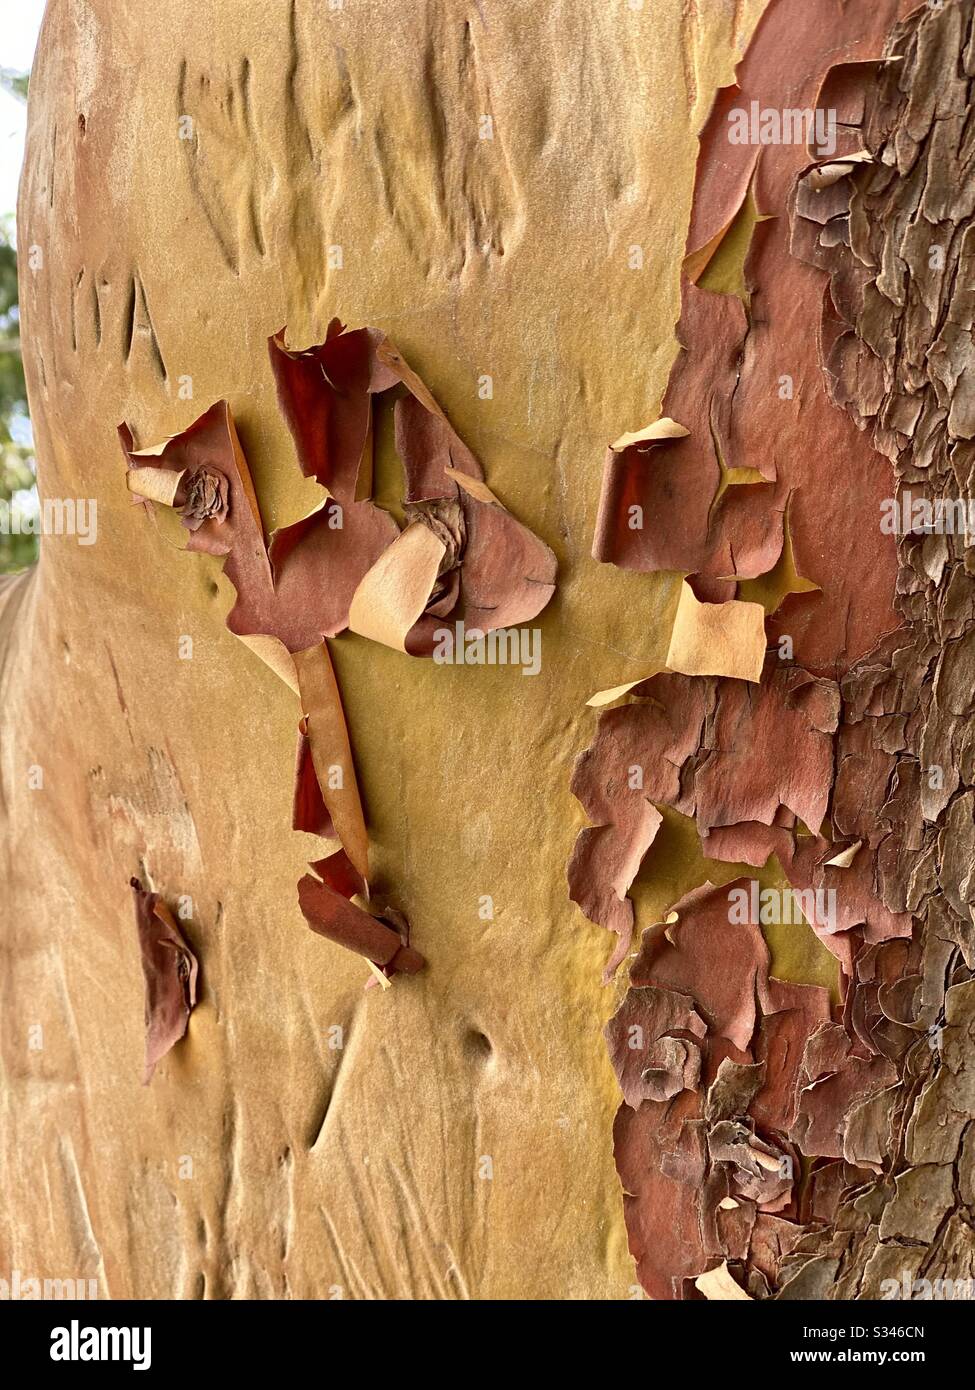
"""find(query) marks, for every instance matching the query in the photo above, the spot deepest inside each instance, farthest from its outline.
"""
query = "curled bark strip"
(323, 392)
(324, 741)
(210, 448)
(329, 912)
(170, 970)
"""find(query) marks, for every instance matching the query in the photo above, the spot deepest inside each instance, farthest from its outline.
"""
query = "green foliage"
(14, 82)
(16, 454)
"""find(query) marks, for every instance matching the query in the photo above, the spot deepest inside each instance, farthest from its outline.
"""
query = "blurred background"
(19, 27)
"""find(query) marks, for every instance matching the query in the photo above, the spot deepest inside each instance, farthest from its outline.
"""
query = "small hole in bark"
(477, 1045)
(82, 124)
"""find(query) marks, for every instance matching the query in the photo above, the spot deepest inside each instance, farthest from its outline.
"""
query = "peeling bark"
(897, 351)
(852, 764)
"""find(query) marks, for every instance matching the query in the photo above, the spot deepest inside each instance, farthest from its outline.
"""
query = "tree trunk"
(514, 194)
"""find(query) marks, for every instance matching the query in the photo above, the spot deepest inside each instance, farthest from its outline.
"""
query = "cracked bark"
(865, 730)
(897, 352)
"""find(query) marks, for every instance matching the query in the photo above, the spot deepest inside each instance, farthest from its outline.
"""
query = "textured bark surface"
(897, 346)
(806, 1148)
(797, 1120)
(315, 1168)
